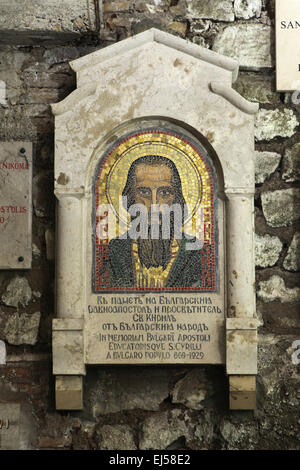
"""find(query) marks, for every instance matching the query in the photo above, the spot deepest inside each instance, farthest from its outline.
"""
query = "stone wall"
(150, 407)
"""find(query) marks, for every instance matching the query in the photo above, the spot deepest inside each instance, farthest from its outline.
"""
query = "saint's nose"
(154, 197)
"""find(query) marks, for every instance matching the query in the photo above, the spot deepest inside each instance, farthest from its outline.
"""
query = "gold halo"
(190, 165)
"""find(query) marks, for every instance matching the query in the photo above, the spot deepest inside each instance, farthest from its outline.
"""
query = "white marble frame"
(215, 111)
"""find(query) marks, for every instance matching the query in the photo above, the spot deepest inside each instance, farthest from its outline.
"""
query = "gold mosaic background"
(195, 179)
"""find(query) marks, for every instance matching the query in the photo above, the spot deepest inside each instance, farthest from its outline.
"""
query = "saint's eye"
(166, 192)
(145, 192)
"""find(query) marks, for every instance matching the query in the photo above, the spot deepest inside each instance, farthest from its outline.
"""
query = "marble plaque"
(288, 45)
(154, 121)
(15, 205)
(157, 283)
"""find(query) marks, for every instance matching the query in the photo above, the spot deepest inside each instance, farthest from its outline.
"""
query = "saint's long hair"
(154, 160)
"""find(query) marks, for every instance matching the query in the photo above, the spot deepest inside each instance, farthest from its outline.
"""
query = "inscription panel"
(170, 329)
(157, 273)
(15, 205)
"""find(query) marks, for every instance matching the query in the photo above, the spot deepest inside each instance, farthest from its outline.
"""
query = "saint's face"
(153, 184)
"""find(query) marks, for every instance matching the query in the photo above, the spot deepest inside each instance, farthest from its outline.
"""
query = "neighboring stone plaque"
(154, 171)
(15, 205)
(288, 45)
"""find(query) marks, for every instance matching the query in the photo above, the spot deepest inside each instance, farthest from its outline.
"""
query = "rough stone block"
(162, 429)
(116, 6)
(118, 390)
(193, 389)
(291, 164)
(267, 250)
(204, 430)
(250, 44)
(275, 289)
(22, 328)
(247, 9)
(178, 27)
(27, 21)
(292, 259)
(265, 165)
(282, 207)
(258, 88)
(275, 123)
(117, 437)
(18, 292)
(240, 433)
(221, 10)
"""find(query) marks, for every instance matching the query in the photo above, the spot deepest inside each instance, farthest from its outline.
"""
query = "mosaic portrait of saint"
(158, 186)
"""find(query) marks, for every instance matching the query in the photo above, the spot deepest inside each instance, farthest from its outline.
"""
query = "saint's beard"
(155, 252)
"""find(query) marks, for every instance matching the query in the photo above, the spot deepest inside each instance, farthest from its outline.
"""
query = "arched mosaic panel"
(163, 167)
